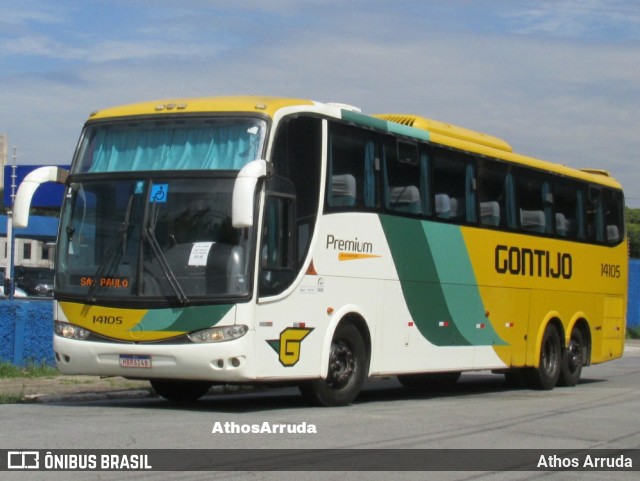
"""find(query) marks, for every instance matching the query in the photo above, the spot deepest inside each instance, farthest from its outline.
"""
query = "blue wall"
(633, 309)
(26, 329)
(26, 326)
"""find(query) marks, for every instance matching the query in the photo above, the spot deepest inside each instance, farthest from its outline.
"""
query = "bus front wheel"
(180, 391)
(346, 374)
(546, 375)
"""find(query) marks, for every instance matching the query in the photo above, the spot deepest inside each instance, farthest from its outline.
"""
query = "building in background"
(4, 154)
(34, 246)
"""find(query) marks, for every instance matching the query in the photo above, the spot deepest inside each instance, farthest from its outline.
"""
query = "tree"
(633, 231)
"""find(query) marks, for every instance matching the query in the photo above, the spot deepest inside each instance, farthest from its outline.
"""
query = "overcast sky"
(558, 79)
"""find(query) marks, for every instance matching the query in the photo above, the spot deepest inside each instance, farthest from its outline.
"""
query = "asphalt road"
(602, 412)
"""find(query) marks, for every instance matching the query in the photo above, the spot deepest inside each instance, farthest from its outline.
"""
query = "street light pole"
(9, 283)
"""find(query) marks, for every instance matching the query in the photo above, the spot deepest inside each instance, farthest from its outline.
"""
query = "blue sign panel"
(159, 193)
(48, 194)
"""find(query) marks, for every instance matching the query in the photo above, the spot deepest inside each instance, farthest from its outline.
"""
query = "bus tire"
(572, 360)
(346, 374)
(429, 381)
(180, 391)
(546, 375)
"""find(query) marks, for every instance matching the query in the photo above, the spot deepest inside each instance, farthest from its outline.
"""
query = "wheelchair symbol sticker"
(159, 193)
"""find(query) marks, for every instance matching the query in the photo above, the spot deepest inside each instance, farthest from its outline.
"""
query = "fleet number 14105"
(107, 319)
(610, 270)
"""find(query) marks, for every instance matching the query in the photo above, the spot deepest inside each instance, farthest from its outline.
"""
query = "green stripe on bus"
(419, 280)
(438, 282)
(459, 283)
(183, 319)
(362, 119)
(379, 124)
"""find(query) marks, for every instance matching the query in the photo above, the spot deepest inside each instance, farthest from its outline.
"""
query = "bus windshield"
(152, 237)
(226, 143)
(147, 214)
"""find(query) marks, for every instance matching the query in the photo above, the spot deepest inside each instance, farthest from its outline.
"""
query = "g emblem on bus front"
(288, 346)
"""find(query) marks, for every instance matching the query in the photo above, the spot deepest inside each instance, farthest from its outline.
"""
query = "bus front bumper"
(229, 361)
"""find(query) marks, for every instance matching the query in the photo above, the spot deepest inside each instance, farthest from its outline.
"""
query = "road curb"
(125, 394)
(90, 396)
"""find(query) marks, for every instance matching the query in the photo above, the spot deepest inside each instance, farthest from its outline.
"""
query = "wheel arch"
(552, 318)
(350, 315)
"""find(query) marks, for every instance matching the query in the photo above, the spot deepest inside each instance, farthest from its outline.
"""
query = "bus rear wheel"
(180, 391)
(572, 360)
(346, 374)
(546, 375)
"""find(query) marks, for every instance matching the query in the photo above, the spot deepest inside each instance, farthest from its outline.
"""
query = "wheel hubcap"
(342, 365)
(573, 356)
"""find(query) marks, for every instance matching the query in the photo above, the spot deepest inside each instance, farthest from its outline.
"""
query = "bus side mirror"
(244, 190)
(27, 188)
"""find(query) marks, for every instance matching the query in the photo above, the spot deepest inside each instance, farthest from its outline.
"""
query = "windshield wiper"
(150, 236)
(113, 253)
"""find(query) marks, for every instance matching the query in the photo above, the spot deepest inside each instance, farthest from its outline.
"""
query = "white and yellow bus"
(251, 239)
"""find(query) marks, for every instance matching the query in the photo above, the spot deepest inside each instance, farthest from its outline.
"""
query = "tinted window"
(405, 186)
(296, 156)
(496, 192)
(536, 202)
(613, 216)
(454, 186)
(569, 209)
(351, 182)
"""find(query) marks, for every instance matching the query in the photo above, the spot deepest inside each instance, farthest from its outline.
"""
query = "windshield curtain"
(195, 144)
(158, 237)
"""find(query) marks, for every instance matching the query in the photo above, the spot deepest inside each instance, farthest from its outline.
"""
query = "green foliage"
(633, 231)
(10, 398)
(8, 370)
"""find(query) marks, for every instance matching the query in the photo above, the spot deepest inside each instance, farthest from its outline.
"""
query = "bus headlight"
(70, 331)
(219, 334)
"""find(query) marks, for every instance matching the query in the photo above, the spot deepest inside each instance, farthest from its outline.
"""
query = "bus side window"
(297, 157)
(534, 200)
(425, 180)
(277, 248)
(351, 174)
(581, 209)
(595, 215)
(547, 202)
(569, 209)
(496, 194)
(454, 186)
(470, 184)
(614, 215)
(402, 179)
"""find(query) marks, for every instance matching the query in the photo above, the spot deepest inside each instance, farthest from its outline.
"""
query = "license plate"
(127, 360)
